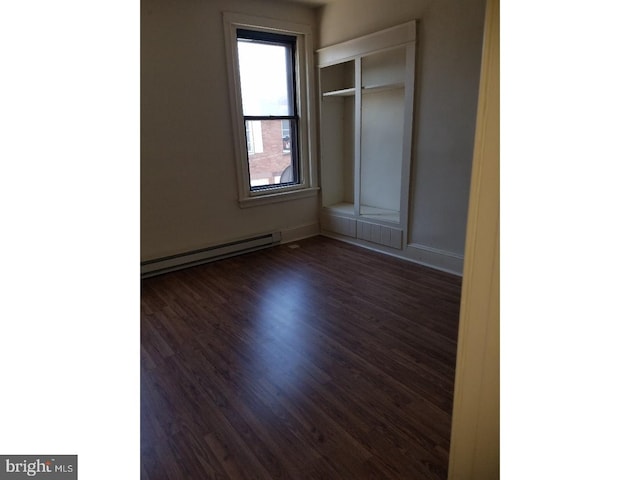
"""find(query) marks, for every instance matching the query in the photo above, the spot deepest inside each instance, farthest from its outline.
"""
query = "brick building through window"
(266, 165)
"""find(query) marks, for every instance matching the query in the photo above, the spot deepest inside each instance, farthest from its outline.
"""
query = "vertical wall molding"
(475, 435)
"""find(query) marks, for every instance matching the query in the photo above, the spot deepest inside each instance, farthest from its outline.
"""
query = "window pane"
(264, 71)
(269, 162)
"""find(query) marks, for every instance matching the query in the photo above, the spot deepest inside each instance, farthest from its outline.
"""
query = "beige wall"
(447, 71)
(188, 175)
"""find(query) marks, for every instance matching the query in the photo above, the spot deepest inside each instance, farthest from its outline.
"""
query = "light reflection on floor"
(282, 327)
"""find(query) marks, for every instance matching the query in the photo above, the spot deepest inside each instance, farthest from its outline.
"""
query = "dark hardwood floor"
(325, 361)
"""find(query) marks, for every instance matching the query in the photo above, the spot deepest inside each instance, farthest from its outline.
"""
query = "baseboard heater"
(159, 266)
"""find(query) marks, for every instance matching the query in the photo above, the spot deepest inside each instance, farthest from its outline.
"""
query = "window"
(267, 87)
(270, 84)
(253, 132)
(250, 141)
(286, 136)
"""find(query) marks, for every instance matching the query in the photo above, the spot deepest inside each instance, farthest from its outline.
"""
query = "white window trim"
(308, 185)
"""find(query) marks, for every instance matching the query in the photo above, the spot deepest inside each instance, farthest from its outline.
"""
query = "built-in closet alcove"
(366, 88)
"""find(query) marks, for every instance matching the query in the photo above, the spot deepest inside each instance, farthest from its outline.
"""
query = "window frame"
(289, 42)
(304, 87)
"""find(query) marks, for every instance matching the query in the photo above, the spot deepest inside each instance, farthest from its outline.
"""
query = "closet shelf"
(340, 93)
(381, 88)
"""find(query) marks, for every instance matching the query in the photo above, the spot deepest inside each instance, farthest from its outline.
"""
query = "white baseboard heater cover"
(159, 266)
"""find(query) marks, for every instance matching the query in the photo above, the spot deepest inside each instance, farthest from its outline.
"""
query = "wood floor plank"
(324, 361)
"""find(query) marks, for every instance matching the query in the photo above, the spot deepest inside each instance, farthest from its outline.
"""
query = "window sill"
(275, 197)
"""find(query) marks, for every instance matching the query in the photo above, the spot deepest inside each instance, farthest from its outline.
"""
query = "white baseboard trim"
(421, 254)
(441, 259)
(300, 232)
(448, 262)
